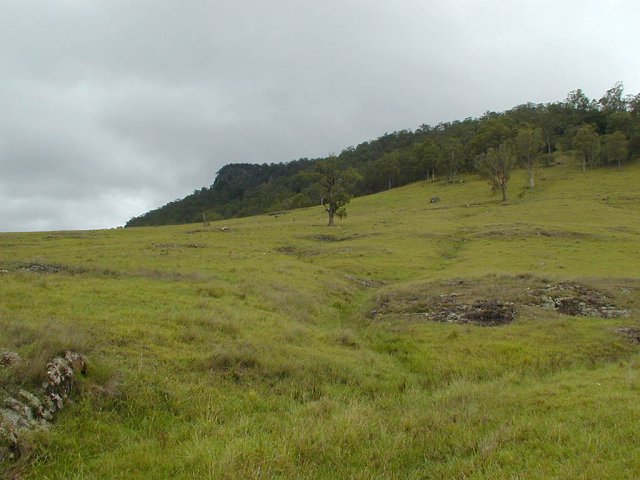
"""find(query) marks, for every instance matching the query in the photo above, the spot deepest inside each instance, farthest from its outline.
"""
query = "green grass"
(250, 353)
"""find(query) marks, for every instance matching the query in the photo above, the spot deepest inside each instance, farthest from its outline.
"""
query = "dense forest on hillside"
(601, 132)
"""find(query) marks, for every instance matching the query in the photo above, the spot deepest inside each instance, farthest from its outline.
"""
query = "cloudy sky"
(109, 108)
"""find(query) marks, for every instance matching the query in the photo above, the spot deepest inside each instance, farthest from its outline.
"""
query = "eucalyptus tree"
(613, 100)
(527, 143)
(615, 148)
(587, 142)
(336, 183)
(451, 158)
(496, 164)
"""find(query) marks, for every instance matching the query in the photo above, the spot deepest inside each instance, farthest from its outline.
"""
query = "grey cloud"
(111, 108)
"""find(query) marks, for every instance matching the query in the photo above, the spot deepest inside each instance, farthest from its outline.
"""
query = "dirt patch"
(452, 308)
(495, 300)
(528, 232)
(560, 234)
(630, 333)
(325, 238)
(297, 252)
(173, 246)
(576, 300)
(336, 238)
(489, 312)
(42, 268)
(52, 268)
(365, 282)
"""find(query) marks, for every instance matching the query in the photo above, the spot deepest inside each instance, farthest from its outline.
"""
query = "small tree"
(424, 160)
(451, 157)
(615, 148)
(336, 186)
(495, 165)
(587, 143)
(528, 142)
(388, 166)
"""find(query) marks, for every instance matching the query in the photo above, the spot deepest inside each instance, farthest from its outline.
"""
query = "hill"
(604, 131)
(461, 339)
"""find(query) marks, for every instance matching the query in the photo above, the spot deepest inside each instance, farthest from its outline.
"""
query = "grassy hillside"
(280, 348)
(610, 125)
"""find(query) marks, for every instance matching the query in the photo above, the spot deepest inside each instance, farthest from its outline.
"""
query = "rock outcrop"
(25, 411)
(9, 358)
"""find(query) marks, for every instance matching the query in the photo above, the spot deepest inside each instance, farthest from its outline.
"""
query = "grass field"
(254, 352)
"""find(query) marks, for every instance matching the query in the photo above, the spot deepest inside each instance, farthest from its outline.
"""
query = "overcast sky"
(109, 108)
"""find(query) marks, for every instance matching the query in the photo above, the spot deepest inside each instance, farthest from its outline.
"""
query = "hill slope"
(606, 130)
(279, 348)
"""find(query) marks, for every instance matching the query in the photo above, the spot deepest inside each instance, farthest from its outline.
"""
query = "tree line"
(602, 132)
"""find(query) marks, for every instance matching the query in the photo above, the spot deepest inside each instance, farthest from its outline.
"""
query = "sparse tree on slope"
(336, 184)
(495, 165)
(528, 142)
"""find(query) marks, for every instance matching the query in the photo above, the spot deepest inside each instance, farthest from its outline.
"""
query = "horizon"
(111, 111)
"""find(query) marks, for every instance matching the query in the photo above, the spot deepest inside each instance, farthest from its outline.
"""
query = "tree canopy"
(336, 183)
(496, 164)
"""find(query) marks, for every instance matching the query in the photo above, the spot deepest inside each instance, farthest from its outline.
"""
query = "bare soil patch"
(494, 300)
(173, 246)
(42, 268)
(528, 231)
(454, 308)
(630, 333)
(325, 238)
(576, 300)
(365, 282)
(297, 251)
(339, 238)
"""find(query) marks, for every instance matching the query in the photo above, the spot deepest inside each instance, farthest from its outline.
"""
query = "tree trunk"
(531, 182)
(548, 142)
(547, 136)
(331, 215)
(504, 192)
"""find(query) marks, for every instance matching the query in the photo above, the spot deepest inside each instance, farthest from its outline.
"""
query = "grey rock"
(9, 358)
(31, 412)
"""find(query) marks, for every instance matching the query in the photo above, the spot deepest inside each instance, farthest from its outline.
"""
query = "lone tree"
(495, 165)
(528, 142)
(336, 186)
